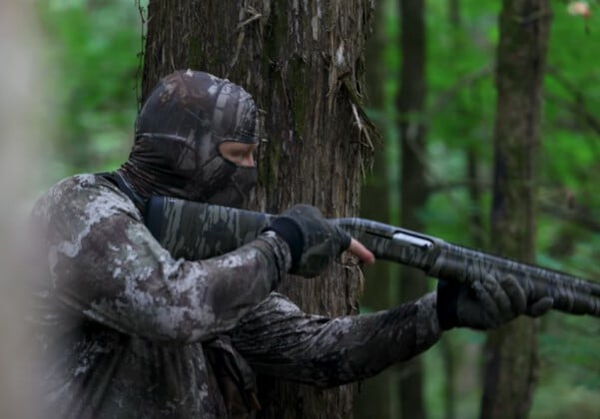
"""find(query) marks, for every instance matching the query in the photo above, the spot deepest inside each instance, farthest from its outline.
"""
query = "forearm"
(174, 299)
(377, 340)
(106, 265)
(326, 352)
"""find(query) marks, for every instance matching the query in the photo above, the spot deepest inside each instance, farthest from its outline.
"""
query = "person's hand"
(314, 242)
(486, 303)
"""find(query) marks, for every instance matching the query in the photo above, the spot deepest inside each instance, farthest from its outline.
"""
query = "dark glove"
(313, 240)
(486, 303)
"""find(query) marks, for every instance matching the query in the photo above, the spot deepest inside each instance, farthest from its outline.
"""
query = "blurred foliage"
(96, 45)
(460, 116)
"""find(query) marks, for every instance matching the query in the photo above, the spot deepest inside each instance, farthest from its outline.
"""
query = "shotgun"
(195, 230)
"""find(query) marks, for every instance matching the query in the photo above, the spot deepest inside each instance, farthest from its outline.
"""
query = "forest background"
(95, 47)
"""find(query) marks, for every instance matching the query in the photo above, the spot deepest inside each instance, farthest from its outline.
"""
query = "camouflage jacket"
(124, 327)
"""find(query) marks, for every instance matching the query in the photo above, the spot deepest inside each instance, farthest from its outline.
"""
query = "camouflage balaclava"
(177, 137)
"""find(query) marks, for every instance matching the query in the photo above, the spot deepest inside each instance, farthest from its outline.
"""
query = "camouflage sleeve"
(278, 339)
(106, 265)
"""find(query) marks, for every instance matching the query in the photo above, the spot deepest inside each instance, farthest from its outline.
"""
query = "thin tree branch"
(449, 94)
(579, 215)
(578, 106)
(465, 183)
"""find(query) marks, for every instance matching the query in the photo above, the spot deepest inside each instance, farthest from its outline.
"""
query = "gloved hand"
(313, 240)
(485, 304)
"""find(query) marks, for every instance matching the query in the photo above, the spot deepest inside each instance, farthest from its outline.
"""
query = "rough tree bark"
(411, 106)
(303, 63)
(511, 352)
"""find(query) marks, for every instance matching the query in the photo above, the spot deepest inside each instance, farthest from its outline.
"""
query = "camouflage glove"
(313, 241)
(485, 304)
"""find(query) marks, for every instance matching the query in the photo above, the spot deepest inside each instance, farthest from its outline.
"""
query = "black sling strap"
(118, 180)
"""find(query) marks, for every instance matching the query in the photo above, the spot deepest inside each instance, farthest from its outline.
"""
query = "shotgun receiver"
(194, 231)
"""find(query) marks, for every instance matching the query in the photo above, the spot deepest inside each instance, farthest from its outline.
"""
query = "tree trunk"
(303, 62)
(411, 103)
(447, 347)
(511, 352)
(374, 399)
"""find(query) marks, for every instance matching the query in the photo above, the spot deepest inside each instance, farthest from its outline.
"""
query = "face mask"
(237, 192)
(178, 133)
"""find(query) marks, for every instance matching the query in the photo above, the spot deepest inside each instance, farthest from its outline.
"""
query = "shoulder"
(86, 195)
(80, 201)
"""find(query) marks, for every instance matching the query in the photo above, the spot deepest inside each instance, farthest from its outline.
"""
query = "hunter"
(128, 331)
